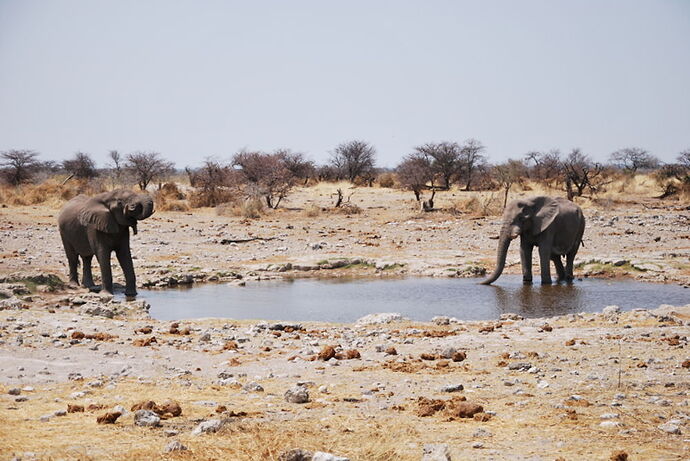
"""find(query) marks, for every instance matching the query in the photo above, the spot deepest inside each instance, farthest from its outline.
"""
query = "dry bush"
(202, 198)
(387, 180)
(170, 198)
(312, 210)
(480, 205)
(347, 209)
(248, 208)
(51, 192)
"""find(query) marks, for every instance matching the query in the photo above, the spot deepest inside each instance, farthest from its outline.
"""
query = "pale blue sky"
(197, 78)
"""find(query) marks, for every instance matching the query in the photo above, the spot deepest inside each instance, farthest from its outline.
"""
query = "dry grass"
(170, 198)
(252, 208)
(51, 192)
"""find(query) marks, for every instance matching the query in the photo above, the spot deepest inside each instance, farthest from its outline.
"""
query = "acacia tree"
(445, 160)
(148, 166)
(265, 173)
(415, 172)
(632, 159)
(18, 166)
(509, 173)
(547, 168)
(301, 168)
(81, 166)
(354, 159)
(471, 159)
(214, 181)
(583, 173)
(115, 166)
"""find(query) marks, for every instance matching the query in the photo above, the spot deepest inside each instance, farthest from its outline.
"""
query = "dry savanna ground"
(574, 387)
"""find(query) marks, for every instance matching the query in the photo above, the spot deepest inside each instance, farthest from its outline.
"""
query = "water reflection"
(346, 300)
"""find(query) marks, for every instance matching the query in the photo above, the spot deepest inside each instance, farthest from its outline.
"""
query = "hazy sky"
(197, 78)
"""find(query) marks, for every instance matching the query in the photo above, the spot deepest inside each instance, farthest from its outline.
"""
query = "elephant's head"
(530, 216)
(110, 211)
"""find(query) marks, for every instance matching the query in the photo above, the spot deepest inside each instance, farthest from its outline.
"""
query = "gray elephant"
(98, 226)
(553, 224)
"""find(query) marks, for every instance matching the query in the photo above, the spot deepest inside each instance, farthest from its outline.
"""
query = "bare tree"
(354, 159)
(115, 166)
(18, 166)
(582, 173)
(301, 168)
(266, 173)
(415, 172)
(81, 166)
(547, 168)
(148, 166)
(471, 158)
(632, 159)
(509, 173)
(215, 182)
(445, 160)
(675, 177)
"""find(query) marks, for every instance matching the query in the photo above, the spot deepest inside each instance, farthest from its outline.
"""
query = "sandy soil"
(577, 387)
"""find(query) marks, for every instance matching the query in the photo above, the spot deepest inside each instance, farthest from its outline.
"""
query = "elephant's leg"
(569, 262)
(87, 276)
(558, 264)
(526, 261)
(73, 262)
(124, 257)
(103, 257)
(545, 263)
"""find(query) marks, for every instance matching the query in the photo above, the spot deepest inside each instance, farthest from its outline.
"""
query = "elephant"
(98, 226)
(553, 224)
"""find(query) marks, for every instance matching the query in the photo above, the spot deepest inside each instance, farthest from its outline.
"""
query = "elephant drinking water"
(98, 226)
(553, 224)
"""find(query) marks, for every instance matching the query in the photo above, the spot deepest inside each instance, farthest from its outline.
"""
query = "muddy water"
(346, 300)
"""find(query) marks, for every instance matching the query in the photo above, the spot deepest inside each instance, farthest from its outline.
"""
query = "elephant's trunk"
(503, 244)
(146, 203)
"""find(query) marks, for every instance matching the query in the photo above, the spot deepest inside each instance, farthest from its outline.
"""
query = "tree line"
(429, 168)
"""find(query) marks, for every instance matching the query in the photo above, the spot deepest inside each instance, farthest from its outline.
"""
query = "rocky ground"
(586, 386)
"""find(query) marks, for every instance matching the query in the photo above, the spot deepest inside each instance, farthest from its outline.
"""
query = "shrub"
(312, 210)
(387, 180)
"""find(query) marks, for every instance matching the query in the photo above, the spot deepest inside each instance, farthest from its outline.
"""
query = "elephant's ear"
(96, 214)
(544, 216)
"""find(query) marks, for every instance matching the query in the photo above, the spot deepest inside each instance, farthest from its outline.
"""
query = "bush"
(206, 198)
(249, 208)
(480, 205)
(387, 180)
(312, 210)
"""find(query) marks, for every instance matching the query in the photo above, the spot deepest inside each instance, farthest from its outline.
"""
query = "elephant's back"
(70, 211)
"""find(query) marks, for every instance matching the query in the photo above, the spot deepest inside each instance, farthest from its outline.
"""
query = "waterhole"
(346, 300)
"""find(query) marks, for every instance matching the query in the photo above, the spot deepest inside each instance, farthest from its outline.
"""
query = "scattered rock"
(611, 310)
(146, 418)
(321, 456)
(465, 409)
(380, 318)
(452, 388)
(436, 452)
(206, 427)
(108, 418)
(327, 353)
(459, 356)
(297, 394)
(670, 428)
(14, 391)
(296, 454)
(143, 342)
(175, 445)
(75, 408)
(253, 387)
(391, 351)
(619, 455)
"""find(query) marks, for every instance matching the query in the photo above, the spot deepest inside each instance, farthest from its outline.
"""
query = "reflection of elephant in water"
(98, 226)
(555, 225)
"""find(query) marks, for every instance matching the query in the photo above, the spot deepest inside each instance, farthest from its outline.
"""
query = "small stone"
(146, 418)
(108, 418)
(296, 454)
(212, 425)
(327, 353)
(436, 452)
(542, 384)
(522, 366)
(391, 351)
(45, 418)
(253, 387)
(609, 416)
(175, 445)
(452, 388)
(610, 424)
(14, 391)
(60, 413)
(477, 445)
(459, 356)
(297, 394)
(670, 428)
(611, 310)
(321, 456)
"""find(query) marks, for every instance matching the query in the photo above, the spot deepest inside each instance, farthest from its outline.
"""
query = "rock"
(380, 318)
(436, 452)
(12, 303)
(542, 384)
(327, 353)
(522, 366)
(206, 427)
(670, 428)
(75, 408)
(619, 455)
(465, 409)
(459, 356)
(609, 416)
(45, 418)
(253, 387)
(108, 418)
(282, 326)
(175, 445)
(391, 351)
(321, 456)
(146, 418)
(611, 310)
(144, 405)
(60, 413)
(296, 454)
(169, 407)
(297, 394)
(448, 352)
(610, 424)
(98, 311)
(441, 320)
(452, 388)
(14, 391)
